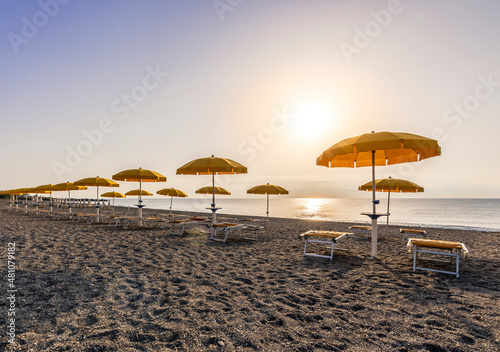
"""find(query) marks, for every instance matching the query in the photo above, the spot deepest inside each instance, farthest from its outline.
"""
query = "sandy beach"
(92, 287)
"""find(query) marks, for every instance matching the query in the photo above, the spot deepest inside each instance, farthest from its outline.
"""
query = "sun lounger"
(226, 227)
(360, 231)
(181, 225)
(328, 237)
(437, 248)
(411, 232)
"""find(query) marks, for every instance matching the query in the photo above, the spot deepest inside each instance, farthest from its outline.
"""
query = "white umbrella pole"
(171, 198)
(267, 212)
(97, 206)
(69, 201)
(113, 205)
(214, 217)
(140, 198)
(374, 218)
(388, 201)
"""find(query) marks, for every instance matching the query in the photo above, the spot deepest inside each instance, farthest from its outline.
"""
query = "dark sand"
(93, 287)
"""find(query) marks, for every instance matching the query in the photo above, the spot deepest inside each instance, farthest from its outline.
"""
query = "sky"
(91, 88)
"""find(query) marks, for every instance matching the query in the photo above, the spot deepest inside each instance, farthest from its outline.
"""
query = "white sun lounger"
(327, 237)
(412, 232)
(227, 227)
(437, 248)
(181, 225)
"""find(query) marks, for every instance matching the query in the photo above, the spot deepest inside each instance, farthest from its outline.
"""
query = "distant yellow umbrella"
(267, 190)
(391, 185)
(211, 190)
(47, 188)
(113, 195)
(171, 192)
(212, 166)
(139, 175)
(381, 148)
(137, 192)
(97, 182)
(68, 186)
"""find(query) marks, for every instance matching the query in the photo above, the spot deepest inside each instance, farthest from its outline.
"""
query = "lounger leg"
(458, 261)
(227, 232)
(305, 247)
(333, 245)
(415, 258)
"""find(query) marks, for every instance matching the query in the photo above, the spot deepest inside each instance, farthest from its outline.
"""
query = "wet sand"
(92, 287)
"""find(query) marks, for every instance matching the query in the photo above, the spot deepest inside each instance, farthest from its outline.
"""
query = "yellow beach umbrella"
(97, 182)
(391, 185)
(267, 190)
(47, 188)
(68, 186)
(212, 166)
(139, 175)
(137, 192)
(381, 148)
(113, 195)
(171, 192)
(211, 190)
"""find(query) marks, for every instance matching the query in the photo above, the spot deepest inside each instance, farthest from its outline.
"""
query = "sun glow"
(313, 117)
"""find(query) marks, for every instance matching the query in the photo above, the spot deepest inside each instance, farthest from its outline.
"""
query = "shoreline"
(93, 287)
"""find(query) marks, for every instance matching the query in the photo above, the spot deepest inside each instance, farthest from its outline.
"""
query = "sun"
(313, 116)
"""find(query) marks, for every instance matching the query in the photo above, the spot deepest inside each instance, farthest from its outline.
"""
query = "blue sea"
(474, 214)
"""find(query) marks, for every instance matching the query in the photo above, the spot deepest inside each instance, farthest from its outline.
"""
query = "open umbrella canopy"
(171, 192)
(49, 187)
(139, 175)
(212, 165)
(380, 148)
(392, 185)
(112, 195)
(267, 189)
(68, 186)
(389, 147)
(210, 190)
(137, 192)
(97, 182)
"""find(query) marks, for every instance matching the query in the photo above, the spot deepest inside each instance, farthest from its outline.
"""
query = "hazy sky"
(95, 87)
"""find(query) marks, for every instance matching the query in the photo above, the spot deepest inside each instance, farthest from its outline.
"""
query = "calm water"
(477, 214)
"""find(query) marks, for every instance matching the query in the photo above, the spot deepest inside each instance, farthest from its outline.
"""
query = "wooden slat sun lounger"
(182, 224)
(327, 237)
(364, 230)
(412, 232)
(437, 248)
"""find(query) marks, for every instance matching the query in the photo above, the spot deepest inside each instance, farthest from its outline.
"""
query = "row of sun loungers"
(424, 250)
(433, 249)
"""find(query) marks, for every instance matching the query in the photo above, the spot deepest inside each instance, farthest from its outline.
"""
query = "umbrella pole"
(113, 205)
(388, 201)
(140, 200)
(97, 206)
(374, 218)
(69, 200)
(214, 217)
(171, 198)
(267, 212)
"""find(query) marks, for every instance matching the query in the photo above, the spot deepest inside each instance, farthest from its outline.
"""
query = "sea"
(451, 213)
